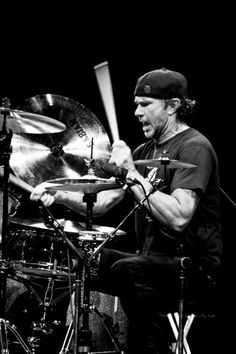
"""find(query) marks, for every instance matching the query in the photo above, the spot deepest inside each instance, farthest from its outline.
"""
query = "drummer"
(181, 219)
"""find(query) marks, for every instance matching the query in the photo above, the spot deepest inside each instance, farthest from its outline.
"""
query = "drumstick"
(105, 87)
(18, 182)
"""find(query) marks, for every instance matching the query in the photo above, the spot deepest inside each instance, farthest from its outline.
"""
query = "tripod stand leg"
(68, 339)
(4, 342)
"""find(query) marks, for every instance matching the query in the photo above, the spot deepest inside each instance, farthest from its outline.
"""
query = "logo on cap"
(147, 89)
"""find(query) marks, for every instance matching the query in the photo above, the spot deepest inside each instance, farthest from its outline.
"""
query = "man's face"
(153, 115)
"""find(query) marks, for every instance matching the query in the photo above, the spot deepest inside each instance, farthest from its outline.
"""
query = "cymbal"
(70, 227)
(164, 162)
(30, 123)
(85, 184)
(77, 227)
(37, 158)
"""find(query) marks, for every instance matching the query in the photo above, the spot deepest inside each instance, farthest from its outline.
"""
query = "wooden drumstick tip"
(98, 66)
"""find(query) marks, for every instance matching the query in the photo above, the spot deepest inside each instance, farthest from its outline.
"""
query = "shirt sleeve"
(195, 178)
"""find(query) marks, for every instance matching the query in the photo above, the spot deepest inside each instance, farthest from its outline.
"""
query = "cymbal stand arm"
(51, 222)
(139, 205)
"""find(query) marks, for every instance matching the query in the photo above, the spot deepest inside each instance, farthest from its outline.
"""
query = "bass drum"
(107, 322)
(114, 318)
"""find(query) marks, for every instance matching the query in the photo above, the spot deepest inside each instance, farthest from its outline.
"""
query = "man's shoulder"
(194, 136)
(143, 149)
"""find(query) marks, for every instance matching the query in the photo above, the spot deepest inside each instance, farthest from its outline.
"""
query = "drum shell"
(42, 252)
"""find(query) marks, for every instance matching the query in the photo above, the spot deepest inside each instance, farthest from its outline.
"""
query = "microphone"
(119, 172)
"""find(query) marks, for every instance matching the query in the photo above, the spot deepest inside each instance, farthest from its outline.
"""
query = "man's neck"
(174, 130)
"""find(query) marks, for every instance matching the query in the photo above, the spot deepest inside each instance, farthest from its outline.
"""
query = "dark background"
(54, 49)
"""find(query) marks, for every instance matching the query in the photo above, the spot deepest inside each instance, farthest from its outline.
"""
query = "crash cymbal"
(71, 227)
(85, 184)
(38, 158)
(30, 123)
(164, 162)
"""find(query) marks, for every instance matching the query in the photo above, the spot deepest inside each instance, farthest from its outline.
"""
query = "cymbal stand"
(79, 330)
(139, 204)
(80, 289)
(90, 199)
(44, 326)
(85, 276)
(5, 153)
(5, 328)
(5, 149)
(165, 161)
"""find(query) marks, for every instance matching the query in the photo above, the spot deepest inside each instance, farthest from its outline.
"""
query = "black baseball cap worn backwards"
(162, 84)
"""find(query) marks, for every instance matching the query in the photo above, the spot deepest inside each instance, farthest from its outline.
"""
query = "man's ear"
(173, 105)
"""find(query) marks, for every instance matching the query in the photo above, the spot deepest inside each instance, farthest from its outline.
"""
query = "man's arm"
(105, 200)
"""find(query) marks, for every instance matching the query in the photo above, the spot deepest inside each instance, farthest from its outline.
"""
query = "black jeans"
(146, 286)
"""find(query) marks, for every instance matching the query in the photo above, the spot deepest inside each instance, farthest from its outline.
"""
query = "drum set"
(51, 261)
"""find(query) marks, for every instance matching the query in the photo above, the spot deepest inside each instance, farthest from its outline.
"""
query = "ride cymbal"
(26, 122)
(38, 158)
(164, 162)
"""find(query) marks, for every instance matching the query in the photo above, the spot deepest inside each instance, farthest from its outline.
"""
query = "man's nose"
(138, 112)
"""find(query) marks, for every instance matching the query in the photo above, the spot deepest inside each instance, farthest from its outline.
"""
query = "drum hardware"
(81, 338)
(45, 326)
(45, 294)
(164, 160)
(19, 121)
(71, 227)
(5, 328)
(81, 287)
(14, 121)
(109, 329)
(139, 204)
(61, 155)
(5, 147)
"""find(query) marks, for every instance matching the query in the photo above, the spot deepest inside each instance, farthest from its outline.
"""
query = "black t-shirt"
(201, 238)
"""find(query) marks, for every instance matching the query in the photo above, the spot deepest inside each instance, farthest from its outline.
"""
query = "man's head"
(162, 84)
(162, 103)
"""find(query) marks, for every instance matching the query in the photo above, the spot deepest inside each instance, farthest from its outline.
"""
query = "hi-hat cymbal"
(164, 162)
(38, 158)
(30, 123)
(85, 184)
(76, 227)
